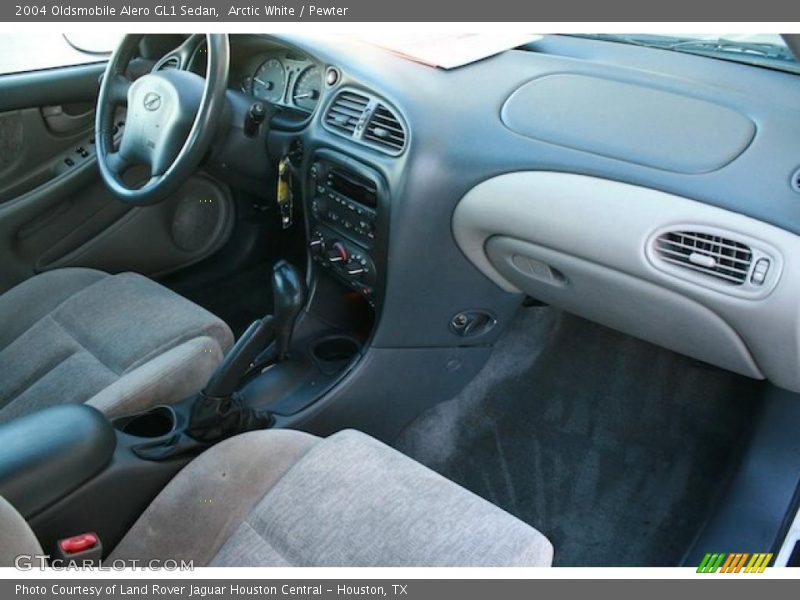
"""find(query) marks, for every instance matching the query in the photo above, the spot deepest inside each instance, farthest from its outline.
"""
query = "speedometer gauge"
(306, 89)
(269, 81)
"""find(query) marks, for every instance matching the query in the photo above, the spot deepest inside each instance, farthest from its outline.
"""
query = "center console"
(346, 197)
(68, 470)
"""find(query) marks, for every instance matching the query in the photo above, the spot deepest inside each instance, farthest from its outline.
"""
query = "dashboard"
(485, 188)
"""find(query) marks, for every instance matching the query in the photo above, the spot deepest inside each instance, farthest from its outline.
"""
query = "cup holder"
(153, 423)
(334, 353)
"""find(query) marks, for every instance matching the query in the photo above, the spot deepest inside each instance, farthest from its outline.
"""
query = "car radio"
(345, 200)
(344, 211)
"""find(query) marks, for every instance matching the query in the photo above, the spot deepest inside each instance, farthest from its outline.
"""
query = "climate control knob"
(317, 243)
(354, 269)
(338, 253)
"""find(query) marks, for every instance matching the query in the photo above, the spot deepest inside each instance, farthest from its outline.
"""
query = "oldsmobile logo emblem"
(152, 101)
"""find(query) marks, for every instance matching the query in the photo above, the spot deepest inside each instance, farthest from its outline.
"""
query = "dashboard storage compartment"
(629, 122)
(590, 246)
(46, 455)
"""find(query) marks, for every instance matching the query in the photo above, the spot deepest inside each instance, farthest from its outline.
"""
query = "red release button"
(78, 543)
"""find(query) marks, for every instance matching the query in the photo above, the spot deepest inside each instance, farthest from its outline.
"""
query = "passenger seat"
(286, 498)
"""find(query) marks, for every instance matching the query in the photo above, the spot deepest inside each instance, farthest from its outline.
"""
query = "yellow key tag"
(285, 192)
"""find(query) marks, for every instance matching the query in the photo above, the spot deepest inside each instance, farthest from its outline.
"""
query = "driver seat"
(121, 343)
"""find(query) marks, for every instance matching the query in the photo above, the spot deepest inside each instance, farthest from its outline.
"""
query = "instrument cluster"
(284, 78)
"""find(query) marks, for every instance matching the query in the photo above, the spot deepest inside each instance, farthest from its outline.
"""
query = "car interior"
(287, 300)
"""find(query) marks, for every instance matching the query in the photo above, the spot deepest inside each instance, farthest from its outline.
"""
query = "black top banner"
(407, 10)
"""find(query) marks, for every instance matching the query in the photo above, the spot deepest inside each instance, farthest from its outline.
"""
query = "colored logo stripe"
(735, 562)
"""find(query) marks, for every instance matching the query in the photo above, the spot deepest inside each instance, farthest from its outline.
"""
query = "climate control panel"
(349, 262)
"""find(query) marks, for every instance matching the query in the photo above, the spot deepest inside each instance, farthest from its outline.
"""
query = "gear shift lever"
(289, 291)
(217, 412)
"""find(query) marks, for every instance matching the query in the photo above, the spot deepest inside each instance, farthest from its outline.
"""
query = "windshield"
(762, 50)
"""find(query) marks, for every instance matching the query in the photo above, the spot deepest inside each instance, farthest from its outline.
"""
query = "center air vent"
(707, 253)
(345, 112)
(385, 130)
(366, 120)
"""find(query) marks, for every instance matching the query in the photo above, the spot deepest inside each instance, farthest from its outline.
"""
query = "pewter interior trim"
(584, 243)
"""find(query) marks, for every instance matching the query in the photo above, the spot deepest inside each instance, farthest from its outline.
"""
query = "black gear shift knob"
(289, 290)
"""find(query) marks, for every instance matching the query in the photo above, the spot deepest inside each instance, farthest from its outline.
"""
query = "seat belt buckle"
(82, 549)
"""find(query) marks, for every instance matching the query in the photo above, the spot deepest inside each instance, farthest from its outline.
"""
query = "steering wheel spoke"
(118, 90)
(117, 163)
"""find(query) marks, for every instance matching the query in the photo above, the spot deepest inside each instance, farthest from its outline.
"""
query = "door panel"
(51, 86)
(55, 210)
(70, 118)
(191, 224)
(32, 154)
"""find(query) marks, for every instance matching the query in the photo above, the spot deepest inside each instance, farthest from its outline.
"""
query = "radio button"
(319, 206)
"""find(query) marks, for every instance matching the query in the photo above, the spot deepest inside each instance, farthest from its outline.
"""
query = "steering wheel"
(171, 120)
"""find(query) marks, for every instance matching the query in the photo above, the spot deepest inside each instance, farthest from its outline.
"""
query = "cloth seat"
(121, 343)
(286, 498)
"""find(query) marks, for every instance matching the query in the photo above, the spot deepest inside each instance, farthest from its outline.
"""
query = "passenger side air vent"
(384, 129)
(345, 111)
(707, 253)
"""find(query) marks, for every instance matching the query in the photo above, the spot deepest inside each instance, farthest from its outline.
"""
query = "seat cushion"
(16, 537)
(282, 498)
(121, 343)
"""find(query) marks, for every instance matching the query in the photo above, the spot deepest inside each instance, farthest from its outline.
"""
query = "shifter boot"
(214, 419)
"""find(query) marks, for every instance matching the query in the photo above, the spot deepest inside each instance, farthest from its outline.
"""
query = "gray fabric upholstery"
(201, 507)
(281, 498)
(119, 342)
(16, 536)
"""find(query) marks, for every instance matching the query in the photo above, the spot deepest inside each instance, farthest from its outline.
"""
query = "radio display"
(361, 191)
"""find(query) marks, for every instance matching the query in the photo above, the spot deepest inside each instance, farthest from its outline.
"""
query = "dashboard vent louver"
(173, 62)
(385, 130)
(713, 255)
(345, 111)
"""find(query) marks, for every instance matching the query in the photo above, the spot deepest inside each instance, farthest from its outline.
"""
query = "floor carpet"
(613, 448)
(239, 299)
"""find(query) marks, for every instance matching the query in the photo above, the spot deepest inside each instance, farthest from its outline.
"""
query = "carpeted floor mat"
(614, 448)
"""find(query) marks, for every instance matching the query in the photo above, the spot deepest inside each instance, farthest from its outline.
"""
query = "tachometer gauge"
(306, 90)
(269, 81)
